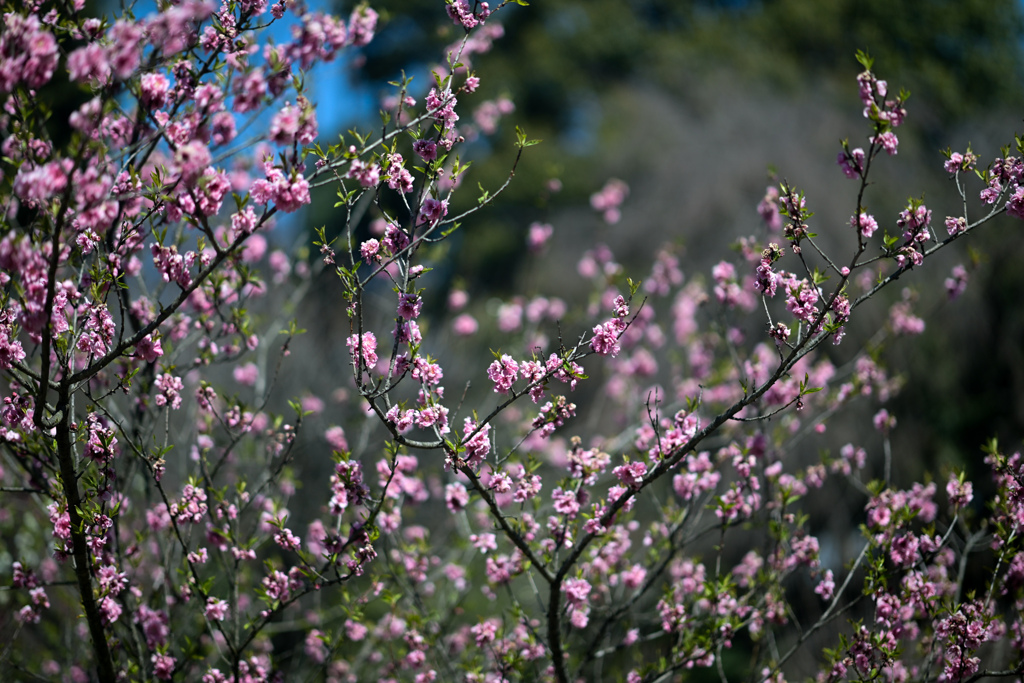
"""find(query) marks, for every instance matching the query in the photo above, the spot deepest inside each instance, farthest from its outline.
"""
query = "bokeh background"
(699, 105)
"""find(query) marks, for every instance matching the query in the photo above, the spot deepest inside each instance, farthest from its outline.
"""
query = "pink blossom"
(154, 625)
(576, 591)
(538, 236)
(488, 113)
(286, 539)
(606, 337)
(503, 373)
(369, 249)
(955, 226)
(953, 164)
(169, 388)
(631, 474)
(991, 193)
(154, 88)
(485, 632)
(960, 492)
(915, 220)
(102, 445)
(484, 542)
(216, 609)
(409, 306)
(366, 345)
(336, 439)
(277, 586)
(465, 325)
(957, 282)
(580, 617)
(290, 195)
(163, 666)
(608, 199)
(98, 334)
(249, 91)
(191, 507)
(110, 610)
(223, 127)
(192, 159)
(149, 349)
(768, 209)
(441, 105)
(201, 556)
(315, 647)
(354, 630)
(888, 142)
(960, 162)
(28, 52)
(478, 445)
(1015, 203)
(37, 184)
(426, 149)
(433, 210)
(456, 497)
(510, 316)
(398, 177)
(903, 321)
(865, 224)
(361, 26)
(527, 487)
(462, 13)
(367, 173)
(883, 421)
(852, 163)
(395, 239)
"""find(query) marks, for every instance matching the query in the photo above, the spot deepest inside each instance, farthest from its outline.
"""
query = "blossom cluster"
(468, 534)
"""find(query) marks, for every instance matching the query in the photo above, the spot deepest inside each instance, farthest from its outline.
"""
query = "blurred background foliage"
(691, 102)
(573, 67)
(698, 106)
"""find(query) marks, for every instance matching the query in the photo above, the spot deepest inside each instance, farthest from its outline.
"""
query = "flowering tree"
(146, 505)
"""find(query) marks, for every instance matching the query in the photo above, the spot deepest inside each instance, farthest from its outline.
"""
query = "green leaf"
(521, 140)
(865, 60)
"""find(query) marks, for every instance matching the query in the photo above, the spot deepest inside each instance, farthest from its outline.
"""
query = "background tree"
(641, 89)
